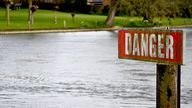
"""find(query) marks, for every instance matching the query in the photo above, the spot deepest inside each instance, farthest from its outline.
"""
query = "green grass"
(44, 19)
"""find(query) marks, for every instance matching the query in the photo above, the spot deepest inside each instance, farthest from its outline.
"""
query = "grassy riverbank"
(44, 19)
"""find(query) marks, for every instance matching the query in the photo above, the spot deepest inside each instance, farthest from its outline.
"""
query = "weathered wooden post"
(168, 86)
(29, 12)
(8, 3)
(55, 4)
(165, 47)
(56, 7)
(33, 9)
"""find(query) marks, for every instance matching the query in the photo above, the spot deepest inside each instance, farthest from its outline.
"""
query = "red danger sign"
(151, 45)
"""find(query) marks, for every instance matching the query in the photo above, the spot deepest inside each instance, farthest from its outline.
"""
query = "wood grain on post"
(168, 86)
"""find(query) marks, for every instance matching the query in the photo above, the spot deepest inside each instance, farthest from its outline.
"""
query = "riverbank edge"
(5, 32)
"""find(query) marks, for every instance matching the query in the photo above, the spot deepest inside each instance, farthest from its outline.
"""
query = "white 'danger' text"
(149, 45)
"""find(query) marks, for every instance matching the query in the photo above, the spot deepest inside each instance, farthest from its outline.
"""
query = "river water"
(78, 70)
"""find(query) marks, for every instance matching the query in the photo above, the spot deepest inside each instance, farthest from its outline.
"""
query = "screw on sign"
(164, 47)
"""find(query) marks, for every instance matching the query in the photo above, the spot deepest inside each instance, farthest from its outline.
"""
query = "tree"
(112, 11)
(148, 10)
(186, 8)
(145, 8)
(173, 8)
(161, 6)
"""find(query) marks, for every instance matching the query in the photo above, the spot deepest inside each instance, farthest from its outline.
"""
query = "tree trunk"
(111, 15)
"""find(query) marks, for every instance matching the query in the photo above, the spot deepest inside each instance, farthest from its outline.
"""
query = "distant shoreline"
(27, 31)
